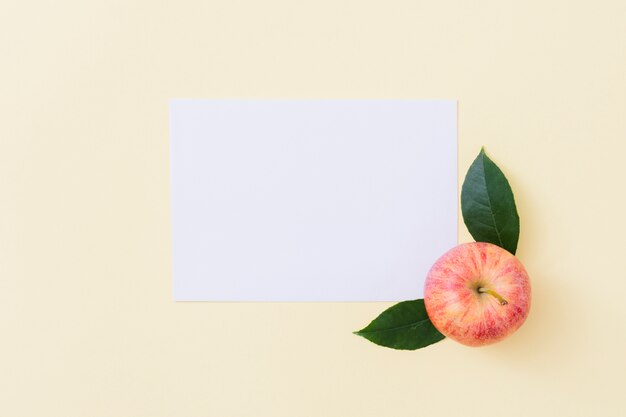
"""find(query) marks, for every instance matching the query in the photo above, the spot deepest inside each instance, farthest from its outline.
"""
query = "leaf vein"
(415, 324)
(495, 225)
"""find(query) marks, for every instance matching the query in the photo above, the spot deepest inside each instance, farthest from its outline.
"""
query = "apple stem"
(495, 294)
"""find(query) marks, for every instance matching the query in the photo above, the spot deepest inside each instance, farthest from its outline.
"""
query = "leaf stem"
(501, 299)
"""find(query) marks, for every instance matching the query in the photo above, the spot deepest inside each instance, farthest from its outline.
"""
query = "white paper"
(310, 200)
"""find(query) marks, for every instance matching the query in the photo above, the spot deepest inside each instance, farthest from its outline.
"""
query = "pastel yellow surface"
(87, 319)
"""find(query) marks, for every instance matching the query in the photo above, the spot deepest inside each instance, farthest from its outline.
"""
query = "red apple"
(477, 293)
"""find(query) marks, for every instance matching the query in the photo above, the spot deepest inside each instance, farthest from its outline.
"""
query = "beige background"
(86, 314)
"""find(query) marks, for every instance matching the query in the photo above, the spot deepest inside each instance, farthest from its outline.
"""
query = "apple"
(477, 293)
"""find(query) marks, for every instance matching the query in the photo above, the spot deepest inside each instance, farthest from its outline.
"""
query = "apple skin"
(460, 311)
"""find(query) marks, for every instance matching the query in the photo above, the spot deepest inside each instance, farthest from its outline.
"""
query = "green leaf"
(488, 205)
(403, 326)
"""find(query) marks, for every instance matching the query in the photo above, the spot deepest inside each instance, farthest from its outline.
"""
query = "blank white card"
(310, 200)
